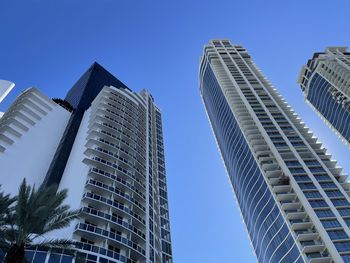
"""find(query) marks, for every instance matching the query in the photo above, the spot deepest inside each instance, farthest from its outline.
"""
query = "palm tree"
(34, 214)
(5, 210)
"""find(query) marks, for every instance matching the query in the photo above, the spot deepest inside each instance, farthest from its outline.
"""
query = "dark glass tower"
(293, 198)
(79, 97)
(325, 82)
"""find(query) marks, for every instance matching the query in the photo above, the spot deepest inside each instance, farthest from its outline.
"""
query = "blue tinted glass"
(66, 259)
(55, 258)
(40, 257)
(321, 98)
(28, 255)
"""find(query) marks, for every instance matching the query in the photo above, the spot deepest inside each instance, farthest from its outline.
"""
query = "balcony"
(301, 225)
(106, 177)
(108, 203)
(122, 225)
(291, 206)
(100, 164)
(117, 193)
(296, 215)
(306, 235)
(286, 197)
(128, 244)
(282, 189)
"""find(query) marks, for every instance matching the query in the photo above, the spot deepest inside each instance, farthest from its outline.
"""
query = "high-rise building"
(5, 88)
(104, 143)
(292, 196)
(325, 82)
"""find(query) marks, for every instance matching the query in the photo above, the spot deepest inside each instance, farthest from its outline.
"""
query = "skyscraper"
(292, 196)
(103, 143)
(325, 82)
(5, 88)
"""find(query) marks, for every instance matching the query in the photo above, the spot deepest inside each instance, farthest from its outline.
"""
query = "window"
(292, 163)
(344, 211)
(86, 241)
(340, 202)
(315, 194)
(317, 169)
(302, 178)
(337, 234)
(297, 170)
(322, 177)
(331, 223)
(113, 248)
(318, 203)
(324, 213)
(307, 185)
(328, 185)
(342, 246)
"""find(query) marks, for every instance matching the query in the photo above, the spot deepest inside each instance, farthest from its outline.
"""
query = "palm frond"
(61, 220)
(56, 243)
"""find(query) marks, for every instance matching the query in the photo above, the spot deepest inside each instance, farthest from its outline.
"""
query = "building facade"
(292, 196)
(5, 88)
(107, 150)
(325, 82)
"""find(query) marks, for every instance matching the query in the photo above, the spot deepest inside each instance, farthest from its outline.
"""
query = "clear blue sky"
(156, 45)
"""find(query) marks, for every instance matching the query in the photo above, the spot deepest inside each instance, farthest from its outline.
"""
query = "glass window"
(346, 258)
(318, 203)
(302, 178)
(337, 234)
(40, 257)
(342, 246)
(330, 223)
(340, 202)
(307, 185)
(334, 193)
(29, 256)
(66, 259)
(344, 211)
(328, 185)
(296, 170)
(55, 258)
(315, 194)
(324, 213)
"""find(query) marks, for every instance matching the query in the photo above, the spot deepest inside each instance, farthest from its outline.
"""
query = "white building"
(5, 88)
(104, 144)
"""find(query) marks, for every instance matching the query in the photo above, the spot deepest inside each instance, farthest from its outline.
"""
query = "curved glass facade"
(293, 199)
(320, 95)
(266, 226)
(324, 81)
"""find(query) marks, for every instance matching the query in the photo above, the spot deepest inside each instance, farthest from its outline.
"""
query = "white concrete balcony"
(137, 235)
(286, 197)
(136, 251)
(138, 182)
(301, 225)
(126, 185)
(307, 235)
(321, 260)
(296, 215)
(282, 189)
(291, 206)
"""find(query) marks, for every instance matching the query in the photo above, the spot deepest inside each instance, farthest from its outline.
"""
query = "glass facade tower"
(325, 82)
(292, 196)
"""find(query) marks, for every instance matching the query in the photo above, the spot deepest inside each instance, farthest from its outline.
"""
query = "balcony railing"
(111, 235)
(115, 220)
(115, 205)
